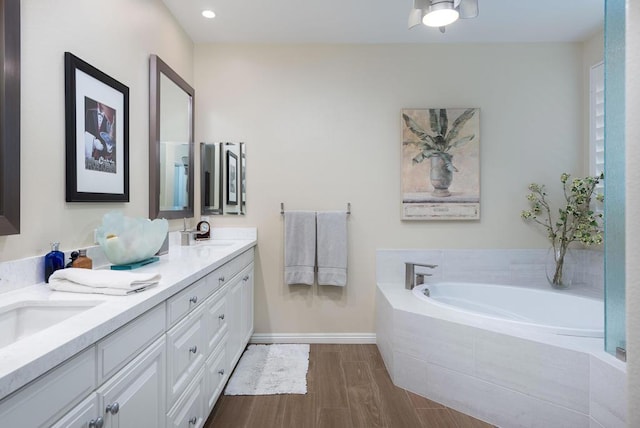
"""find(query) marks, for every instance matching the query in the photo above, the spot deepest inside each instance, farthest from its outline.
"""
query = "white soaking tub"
(537, 310)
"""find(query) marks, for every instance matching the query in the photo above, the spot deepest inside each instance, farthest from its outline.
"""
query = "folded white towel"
(332, 248)
(104, 278)
(299, 247)
(63, 285)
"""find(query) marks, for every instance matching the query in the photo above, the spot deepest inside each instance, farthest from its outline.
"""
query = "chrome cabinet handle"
(221, 372)
(246, 278)
(193, 420)
(113, 408)
(193, 349)
(221, 279)
(221, 316)
(194, 299)
(96, 423)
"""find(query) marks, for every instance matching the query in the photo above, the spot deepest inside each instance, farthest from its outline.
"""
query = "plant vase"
(560, 267)
(441, 176)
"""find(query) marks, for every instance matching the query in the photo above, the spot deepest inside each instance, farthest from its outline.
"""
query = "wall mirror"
(211, 178)
(10, 118)
(171, 152)
(223, 173)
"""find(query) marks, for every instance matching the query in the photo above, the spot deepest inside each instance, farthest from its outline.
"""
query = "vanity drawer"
(224, 273)
(190, 411)
(188, 299)
(51, 396)
(186, 348)
(120, 347)
(216, 316)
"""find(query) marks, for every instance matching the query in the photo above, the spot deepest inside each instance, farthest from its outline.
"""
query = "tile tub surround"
(486, 368)
(522, 267)
(26, 359)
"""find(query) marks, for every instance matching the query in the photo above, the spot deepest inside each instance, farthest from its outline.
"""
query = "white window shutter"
(596, 125)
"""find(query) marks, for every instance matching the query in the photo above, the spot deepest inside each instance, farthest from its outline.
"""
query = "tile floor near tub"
(348, 387)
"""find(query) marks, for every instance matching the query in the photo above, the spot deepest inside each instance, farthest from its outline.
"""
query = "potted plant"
(576, 220)
(436, 144)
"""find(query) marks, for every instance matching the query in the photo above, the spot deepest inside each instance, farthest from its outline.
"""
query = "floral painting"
(441, 164)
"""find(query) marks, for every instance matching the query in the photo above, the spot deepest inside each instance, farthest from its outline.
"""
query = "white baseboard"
(346, 338)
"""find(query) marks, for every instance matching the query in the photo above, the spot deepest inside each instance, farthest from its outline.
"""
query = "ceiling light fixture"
(440, 14)
(208, 14)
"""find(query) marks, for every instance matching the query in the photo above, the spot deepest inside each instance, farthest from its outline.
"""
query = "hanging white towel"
(100, 278)
(299, 247)
(332, 248)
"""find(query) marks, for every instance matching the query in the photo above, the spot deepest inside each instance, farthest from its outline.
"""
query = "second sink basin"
(22, 319)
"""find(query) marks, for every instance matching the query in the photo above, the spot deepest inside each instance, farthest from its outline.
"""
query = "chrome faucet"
(411, 278)
(187, 236)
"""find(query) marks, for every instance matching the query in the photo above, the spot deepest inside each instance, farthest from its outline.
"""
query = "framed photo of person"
(97, 134)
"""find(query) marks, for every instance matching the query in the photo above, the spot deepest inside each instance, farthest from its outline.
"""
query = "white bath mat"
(271, 369)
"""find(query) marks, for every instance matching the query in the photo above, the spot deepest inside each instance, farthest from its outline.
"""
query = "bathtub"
(514, 365)
(535, 310)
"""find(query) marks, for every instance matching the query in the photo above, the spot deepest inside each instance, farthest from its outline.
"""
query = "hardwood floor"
(347, 387)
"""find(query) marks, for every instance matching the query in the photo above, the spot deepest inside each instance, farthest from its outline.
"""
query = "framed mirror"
(211, 178)
(242, 179)
(231, 178)
(171, 152)
(10, 118)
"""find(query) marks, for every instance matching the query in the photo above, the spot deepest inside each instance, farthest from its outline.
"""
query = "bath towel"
(99, 278)
(299, 247)
(332, 248)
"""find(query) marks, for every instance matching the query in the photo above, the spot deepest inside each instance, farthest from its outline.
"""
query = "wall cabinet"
(166, 368)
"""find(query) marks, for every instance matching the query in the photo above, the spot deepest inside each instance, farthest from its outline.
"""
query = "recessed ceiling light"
(208, 14)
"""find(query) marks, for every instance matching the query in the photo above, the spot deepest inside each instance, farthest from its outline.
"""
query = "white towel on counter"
(299, 247)
(128, 282)
(63, 285)
(332, 248)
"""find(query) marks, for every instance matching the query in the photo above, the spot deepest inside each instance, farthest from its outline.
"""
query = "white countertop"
(32, 356)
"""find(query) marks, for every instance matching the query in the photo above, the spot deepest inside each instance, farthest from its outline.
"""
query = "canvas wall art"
(441, 164)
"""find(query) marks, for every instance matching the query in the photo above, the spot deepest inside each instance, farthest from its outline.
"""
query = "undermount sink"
(22, 319)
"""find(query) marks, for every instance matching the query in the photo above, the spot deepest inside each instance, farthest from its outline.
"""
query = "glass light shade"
(440, 17)
(208, 14)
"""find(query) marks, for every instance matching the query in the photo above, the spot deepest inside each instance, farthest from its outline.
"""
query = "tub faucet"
(411, 278)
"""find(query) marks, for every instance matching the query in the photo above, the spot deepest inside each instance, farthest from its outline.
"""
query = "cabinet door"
(189, 411)
(216, 373)
(247, 304)
(234, 307)
(135, 396)
(84, 415)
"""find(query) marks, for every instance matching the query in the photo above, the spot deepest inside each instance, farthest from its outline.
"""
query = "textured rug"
(271, 369)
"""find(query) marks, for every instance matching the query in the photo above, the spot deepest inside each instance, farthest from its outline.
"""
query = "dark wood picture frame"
(10, 117)
(110, 184)
(232, 178)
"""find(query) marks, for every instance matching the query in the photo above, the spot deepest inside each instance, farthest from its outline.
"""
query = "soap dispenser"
(53, 261)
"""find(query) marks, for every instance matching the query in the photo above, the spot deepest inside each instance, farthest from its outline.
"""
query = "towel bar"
(282, 208)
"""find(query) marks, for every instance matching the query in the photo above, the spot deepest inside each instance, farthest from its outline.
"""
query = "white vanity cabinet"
(165, 368)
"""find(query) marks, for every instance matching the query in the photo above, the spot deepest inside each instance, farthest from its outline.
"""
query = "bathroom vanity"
(159, 358)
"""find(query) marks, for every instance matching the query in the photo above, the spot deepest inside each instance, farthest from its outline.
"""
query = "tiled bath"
(495, 373)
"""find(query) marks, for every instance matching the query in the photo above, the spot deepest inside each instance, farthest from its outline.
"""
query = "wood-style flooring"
(347, 387)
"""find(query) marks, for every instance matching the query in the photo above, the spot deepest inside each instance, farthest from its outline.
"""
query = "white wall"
(322, 127)
(633, 206)
(116, 37)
